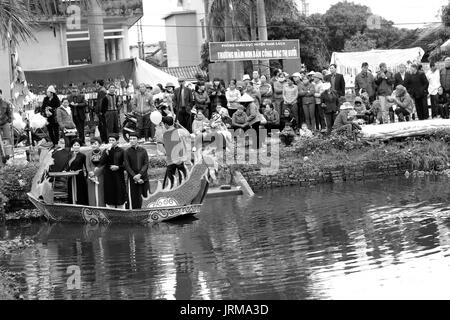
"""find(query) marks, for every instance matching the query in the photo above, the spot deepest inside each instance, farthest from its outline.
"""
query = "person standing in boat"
(77, 162)
(176, 154)
(95, 181)
(114, 180)
(136, 164)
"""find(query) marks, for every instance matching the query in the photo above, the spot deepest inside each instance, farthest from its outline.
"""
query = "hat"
(311, 73)
(170, 84)
(180, 79)
(297, 74)
(51, 89)
(246, 77)
(318, 75)
(346, 106)
(246, 98)
(114, 135)
(358, 99)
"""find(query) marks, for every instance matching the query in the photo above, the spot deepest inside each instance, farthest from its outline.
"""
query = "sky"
(402, 12)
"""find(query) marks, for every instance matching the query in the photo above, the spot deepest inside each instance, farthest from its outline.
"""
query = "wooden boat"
(181, 200)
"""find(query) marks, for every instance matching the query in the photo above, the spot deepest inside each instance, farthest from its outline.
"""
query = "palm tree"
(14, 22)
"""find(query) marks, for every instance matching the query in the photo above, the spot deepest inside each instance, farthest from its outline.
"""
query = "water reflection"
(378, 239)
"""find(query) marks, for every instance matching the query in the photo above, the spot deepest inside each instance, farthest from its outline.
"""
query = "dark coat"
(330, 100)
(188, 99)
(398, 79)
(136, 162)
(384, 86)
(52, 106)
(79, 111)
(79, 163)
(445, 79)
(417, 85)
(339, 83)
(115, 189)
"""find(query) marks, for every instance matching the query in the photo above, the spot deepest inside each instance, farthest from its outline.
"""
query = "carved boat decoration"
(180, 200)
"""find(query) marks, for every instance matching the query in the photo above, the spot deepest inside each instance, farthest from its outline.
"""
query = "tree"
(359, 42)
(344, 20)
(14, 15)
(312, 34)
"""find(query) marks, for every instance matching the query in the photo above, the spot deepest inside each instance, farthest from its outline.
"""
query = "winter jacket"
(366, 82)
(142, 104)
(384, 86)
(330, 101)
(417, 85)
(50, 105)
(65, 120)
(306, 92)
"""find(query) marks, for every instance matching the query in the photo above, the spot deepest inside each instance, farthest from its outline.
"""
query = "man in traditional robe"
(136, 164)
(114, 169)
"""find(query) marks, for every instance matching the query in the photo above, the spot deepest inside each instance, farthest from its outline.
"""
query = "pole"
(129, 193)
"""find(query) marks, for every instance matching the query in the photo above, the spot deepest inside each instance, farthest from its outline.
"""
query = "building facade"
(185, 33)
(59, 44)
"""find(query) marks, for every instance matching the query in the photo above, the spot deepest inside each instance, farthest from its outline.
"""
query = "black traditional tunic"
(136, 162)
(115, 188)
(79, 163)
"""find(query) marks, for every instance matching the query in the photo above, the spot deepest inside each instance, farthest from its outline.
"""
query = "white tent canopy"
(146, 73)
(349, 63)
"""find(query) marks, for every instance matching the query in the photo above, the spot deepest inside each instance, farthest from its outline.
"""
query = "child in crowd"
(200, 123)
(288, 120)
(223, 112)
(305, 132)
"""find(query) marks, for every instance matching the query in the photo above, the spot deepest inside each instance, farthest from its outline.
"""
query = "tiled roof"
(187, 72)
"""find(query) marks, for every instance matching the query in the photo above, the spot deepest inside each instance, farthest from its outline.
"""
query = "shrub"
(15, 181)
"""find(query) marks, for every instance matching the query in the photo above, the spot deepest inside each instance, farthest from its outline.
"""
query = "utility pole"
(141, 41)
(262, 33)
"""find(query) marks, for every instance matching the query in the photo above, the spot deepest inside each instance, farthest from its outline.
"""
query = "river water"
(385, 239)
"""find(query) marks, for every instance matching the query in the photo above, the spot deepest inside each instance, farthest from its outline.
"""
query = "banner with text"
(254, 50)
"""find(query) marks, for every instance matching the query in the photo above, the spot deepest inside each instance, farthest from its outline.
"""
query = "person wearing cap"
(78, 105)
(337, 80)
(168, 96)
(110, 110)
(319, 89)
(330, 105)
(365, 80)
(306, 92)
(142, 106)
(253, 115)
(310, 76)
(48, 110)
(183, 102)
(136, 165)
(384, 81)
(342, 122)
(246, 78)
(115, 191)
(417, 86)
(404, 105)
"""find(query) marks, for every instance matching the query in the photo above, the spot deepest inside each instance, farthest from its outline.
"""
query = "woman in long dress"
(78, 162)
(95, 181)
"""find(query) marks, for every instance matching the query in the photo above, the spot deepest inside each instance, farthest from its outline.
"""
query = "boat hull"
(95, 215)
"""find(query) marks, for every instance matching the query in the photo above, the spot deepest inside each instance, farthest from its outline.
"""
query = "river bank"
(310, 161)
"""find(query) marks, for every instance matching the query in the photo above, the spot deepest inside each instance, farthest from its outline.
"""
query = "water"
(385, 239)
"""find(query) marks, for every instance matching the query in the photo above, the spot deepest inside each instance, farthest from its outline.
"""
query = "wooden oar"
(129, 192)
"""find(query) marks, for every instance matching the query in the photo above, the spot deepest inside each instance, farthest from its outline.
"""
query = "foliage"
(359, 42)
(311, 31)
(21, 26)
(344, 20)
(15, 181)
